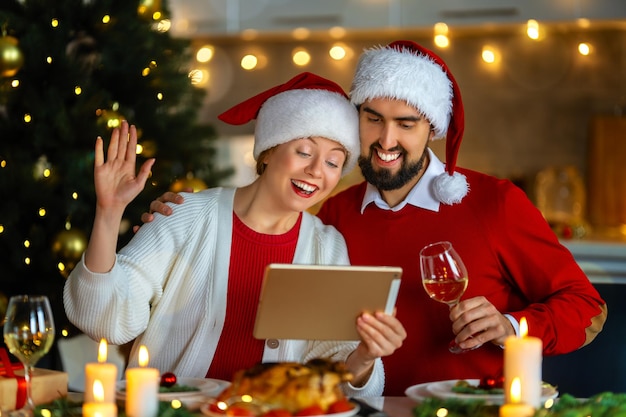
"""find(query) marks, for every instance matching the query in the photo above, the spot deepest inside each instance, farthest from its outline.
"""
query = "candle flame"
(144, 357)
(523, 327)
(516, 390)
(98, 391)
(102, 351)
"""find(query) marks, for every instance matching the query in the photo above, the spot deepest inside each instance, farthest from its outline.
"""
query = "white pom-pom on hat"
(404, 70)
(305, 106)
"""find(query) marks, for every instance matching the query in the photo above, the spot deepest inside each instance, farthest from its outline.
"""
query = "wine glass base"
(456, 349)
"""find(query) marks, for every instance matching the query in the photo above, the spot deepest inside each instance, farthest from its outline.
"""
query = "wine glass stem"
(28, 375)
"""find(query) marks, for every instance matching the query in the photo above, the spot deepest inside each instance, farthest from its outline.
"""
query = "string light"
(54, 23)
(488, 54)
(301, 57)
(532, 29)
(205, 54)
(441, 35)
(106, 19)
(301, 33)
(249, 62)
(337, 52)
(584, 48)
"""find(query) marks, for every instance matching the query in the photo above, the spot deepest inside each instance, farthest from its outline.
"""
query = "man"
(407, 97)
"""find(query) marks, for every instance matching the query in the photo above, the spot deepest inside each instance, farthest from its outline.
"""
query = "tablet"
(314, 302)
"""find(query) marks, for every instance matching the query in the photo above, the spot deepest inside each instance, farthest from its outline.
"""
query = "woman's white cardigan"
(168, 286)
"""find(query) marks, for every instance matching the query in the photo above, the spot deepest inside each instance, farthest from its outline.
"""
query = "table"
(399, 406)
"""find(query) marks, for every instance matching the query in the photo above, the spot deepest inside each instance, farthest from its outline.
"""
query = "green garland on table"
(429, 407)
(605, 404)
(66, 408)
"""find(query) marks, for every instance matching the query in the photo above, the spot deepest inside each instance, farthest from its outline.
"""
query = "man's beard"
(383, 179)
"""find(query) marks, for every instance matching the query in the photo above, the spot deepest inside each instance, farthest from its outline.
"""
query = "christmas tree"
(71, 70)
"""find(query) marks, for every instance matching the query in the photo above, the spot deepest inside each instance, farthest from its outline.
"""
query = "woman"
(187, 287)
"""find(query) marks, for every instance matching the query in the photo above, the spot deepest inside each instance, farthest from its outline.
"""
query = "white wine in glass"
(444, 277)
(29, 334)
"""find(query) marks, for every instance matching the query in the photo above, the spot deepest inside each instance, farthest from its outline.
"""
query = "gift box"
(46, 385)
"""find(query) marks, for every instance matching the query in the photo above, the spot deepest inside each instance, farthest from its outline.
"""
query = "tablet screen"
(315, 302)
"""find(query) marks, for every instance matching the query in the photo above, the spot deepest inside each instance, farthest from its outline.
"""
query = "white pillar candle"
(97, 407)
(515, 408)
(522, 359)
(142, 388)
(106, 373)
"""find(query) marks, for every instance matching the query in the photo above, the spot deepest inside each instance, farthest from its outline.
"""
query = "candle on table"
(522, 359)
(515, 408)
(98, 407)
(142, 388)
(103, 371)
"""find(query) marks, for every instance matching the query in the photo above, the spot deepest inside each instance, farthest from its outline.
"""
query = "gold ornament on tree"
(188, 183)
(11, 57)
(147, 8)
(68, 247)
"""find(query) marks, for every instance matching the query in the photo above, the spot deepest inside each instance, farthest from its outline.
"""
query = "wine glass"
(444, 277)
(28, 333)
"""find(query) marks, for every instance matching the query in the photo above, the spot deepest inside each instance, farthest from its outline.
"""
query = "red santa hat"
(307, 105)
(404, 70)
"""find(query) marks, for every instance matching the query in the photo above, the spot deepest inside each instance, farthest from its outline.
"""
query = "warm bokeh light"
(28, 118)
(49, 59)
(300, 33)
(584, 48)
(488, 54)
(164, 25)
(532, 29)
(441, 38)
(54, 23)
(15, 83)
(106, 19)
(337, 32)
(78, 90)
(442, 41)
(205, 54)
(199, 77)
(249, 62)
(440, 28)
(337, 52)
(301, 57)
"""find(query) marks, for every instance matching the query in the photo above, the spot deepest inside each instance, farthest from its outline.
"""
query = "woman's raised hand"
(115, 179)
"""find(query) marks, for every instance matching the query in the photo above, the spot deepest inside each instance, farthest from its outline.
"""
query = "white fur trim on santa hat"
(450, 189)
(385, 72)
(296, 114)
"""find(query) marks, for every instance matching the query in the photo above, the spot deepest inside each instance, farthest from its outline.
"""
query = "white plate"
(443, 390)
(204, 409)
(190, 399)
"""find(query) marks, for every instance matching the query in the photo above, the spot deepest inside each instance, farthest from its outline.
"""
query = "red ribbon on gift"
(7, 369)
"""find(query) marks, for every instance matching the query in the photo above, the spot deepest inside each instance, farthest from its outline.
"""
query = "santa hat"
(404, 70)
(307, 105)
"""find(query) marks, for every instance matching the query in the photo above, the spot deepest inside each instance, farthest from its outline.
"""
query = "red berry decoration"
(168, 379)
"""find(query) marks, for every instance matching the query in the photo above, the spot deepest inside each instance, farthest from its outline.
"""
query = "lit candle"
(515, 408)
(105, 372)
(142, 388)
(522, 359)
(97, 407)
